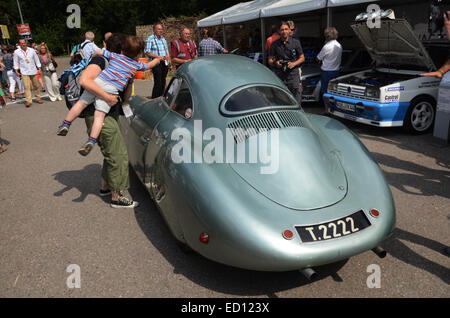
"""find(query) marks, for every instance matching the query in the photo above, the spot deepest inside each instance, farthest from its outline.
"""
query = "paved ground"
(51, 217)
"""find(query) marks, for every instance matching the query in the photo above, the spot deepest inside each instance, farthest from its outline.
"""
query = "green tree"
(47, 18)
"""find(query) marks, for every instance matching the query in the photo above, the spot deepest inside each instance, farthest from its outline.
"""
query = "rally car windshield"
(255, 98)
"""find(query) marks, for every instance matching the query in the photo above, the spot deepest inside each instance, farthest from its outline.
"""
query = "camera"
(284, 65)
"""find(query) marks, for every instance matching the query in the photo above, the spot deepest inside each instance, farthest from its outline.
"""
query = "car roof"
(210, 78)
(217, 75)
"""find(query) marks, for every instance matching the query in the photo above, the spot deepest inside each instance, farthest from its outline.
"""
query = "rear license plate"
(345, 106)
(335, 229)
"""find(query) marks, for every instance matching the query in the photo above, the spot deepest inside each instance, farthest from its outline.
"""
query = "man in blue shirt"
(156, 47)
(88, 47)
(209, 46)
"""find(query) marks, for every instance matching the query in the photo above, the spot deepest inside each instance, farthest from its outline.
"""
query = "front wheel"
(420, 116)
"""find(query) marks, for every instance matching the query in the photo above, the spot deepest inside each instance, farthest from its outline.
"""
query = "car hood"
(394, 43)
(307, 176)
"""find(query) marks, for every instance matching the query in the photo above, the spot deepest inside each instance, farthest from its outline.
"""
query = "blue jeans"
(326, 77)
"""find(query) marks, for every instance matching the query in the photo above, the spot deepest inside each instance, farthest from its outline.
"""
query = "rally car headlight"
(332, 86)
(372, 92)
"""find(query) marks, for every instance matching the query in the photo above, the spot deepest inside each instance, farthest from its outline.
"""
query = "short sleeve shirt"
(101, 62)
(330, 55)
(209, 47)
(88, 49)
(157, 46)
(289, 51)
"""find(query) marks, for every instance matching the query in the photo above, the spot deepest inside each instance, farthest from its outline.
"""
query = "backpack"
(78, 55)
(70, 84)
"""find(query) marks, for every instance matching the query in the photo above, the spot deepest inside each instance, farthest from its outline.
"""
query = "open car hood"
(394, 43)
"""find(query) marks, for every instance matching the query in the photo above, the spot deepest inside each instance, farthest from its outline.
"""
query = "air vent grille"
(290, 118)
(252, 125)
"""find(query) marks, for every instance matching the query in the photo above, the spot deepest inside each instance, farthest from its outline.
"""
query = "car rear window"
(257, 97)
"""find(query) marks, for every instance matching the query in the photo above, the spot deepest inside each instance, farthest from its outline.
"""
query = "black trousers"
(293, 83)
(159, 79)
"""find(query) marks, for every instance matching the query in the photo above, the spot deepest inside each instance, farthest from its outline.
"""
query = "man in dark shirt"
(286, 55)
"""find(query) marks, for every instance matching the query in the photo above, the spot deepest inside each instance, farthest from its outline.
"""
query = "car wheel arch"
(407, 125)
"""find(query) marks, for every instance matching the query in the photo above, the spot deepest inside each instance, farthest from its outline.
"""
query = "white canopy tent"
(261, 9)
(249, 11)
(286, 7)
(217, 18)
(246, 11)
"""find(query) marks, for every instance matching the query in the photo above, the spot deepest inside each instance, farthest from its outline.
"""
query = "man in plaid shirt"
(156, 47)
(208, 46)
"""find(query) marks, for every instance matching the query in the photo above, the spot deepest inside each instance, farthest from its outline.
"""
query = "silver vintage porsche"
(243, 176)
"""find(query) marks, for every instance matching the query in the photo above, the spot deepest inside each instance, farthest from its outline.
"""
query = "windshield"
(258, 97)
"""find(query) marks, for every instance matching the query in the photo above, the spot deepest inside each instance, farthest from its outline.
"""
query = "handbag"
(51, 67)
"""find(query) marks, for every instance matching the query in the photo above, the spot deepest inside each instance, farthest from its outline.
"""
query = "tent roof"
(246, 11)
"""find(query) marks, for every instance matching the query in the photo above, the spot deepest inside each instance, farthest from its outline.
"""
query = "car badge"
(349, 90)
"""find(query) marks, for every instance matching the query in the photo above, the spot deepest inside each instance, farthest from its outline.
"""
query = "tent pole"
(329, 17)
(224, 37)
(263, 39)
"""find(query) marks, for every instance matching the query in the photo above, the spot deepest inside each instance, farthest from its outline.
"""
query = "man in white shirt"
(330, 58)
(88, 47)
(27, 61)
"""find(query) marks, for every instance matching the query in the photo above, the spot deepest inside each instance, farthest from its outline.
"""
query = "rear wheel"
(420, 116)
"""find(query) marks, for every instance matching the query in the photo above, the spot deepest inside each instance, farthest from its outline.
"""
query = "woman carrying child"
(112, 80)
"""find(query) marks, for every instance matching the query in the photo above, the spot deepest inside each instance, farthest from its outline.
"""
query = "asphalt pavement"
(51, 217)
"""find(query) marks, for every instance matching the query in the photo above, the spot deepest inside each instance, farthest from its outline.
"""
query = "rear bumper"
(368, 112)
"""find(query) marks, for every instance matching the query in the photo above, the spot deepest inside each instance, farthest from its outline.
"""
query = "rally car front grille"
(352, 91)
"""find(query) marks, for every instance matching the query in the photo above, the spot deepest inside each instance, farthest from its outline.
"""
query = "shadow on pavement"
(395, 247)
(428, 181)
(78, 179)
(209, 274)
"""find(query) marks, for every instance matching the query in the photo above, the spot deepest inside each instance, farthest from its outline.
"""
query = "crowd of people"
(27, 68)
(109, 73)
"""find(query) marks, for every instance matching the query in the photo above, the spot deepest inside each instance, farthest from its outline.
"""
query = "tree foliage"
(48, 18)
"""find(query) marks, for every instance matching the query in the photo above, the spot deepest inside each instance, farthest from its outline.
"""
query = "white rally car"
(392, 93)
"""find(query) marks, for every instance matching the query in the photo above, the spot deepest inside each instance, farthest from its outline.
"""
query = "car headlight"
(373, 92)
(332, 86)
